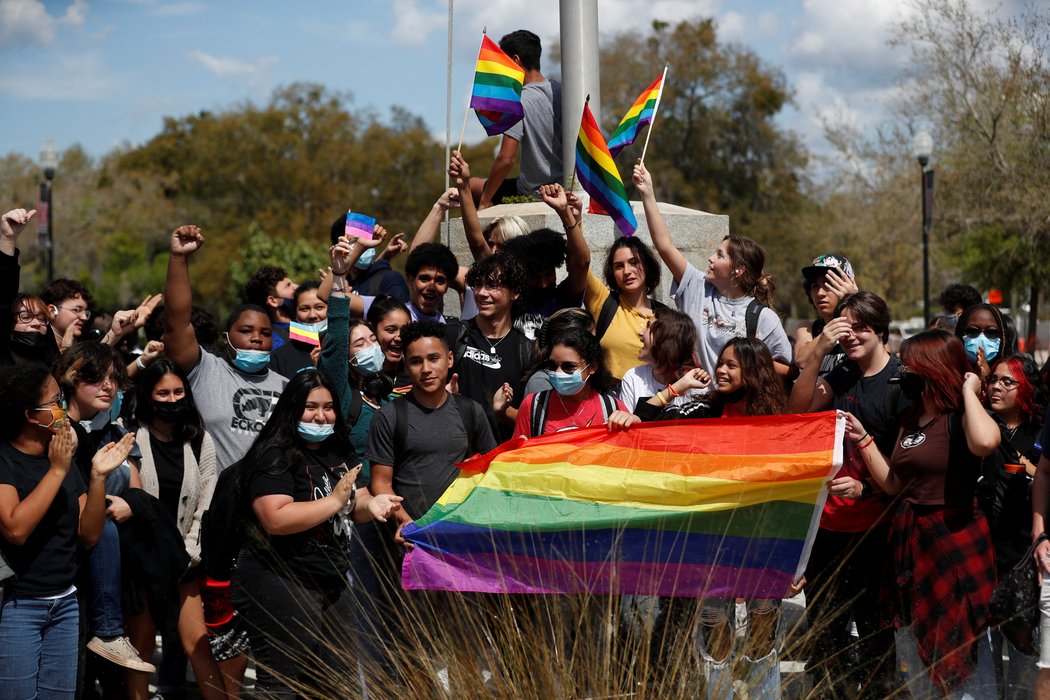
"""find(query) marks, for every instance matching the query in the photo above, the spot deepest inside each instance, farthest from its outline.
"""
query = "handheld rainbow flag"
(303, 333)
(724, 508)
(496, 97)
(599, 176)
(359, 225)
(642, 112)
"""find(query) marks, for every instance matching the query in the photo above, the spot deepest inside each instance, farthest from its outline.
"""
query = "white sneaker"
(119, 651)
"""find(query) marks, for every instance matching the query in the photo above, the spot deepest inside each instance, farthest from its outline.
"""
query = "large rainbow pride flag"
(496, 96)
(641, 113)
(696, 508)
(599, 176)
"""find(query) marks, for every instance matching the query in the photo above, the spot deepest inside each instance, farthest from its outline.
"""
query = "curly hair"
(650, 265)
(433, 255)
(500, 270)
(962, 296)
(57, 291)
(540, 251)
(21, 387)
(411, 332)
(262, 284)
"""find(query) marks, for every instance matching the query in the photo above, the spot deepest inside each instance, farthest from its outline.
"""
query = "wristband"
(574, 225)
(866, 443)
(672, 392)
(861, 438)
(1042, 538)
(138, 363)
(660, 396)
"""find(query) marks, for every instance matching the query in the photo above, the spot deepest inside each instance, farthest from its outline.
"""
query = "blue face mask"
(319, 327)
(251, 360)
(368, 361)
(114, 408)
(366, 259)
(314, 432)
(568, 384)
(989, 345)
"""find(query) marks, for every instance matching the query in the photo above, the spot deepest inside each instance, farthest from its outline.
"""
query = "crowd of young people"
(116, 462)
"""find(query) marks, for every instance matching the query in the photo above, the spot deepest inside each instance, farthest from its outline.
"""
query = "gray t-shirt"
(234, 405)
(435, 441)
(539, 136)
(719, 319)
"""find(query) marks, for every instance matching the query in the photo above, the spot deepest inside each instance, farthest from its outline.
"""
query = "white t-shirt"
(719, 319)
(639, 383)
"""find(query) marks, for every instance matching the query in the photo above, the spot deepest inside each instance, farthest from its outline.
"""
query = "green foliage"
(298, 258)
(521, 199)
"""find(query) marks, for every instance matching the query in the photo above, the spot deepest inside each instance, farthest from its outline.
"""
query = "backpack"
(608, 312)
(222, 527)
(541, 401)
(751, 316)
(463, 404)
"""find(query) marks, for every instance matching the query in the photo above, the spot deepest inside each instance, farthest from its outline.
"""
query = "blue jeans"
(106, 614)
(38, 647)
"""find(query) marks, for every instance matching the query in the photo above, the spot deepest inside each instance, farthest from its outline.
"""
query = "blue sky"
(103, 72)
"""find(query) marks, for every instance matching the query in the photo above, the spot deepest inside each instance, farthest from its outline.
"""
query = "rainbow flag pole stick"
(572, 182)
(656, 108)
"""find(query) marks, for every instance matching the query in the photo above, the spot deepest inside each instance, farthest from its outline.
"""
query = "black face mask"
(171, 411)
(912, 385)
(29, 344)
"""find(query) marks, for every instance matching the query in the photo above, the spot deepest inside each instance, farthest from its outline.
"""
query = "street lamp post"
(49, 159)
(922, 145)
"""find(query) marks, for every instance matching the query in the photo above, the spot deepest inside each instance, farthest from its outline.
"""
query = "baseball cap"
(822, 263)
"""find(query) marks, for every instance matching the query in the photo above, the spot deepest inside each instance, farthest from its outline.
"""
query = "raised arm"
(11, 224)
(180, 340)
(982, 433)
(431, 226)
(459, 171)
(661, 236)
(578, 253)
(811, 393)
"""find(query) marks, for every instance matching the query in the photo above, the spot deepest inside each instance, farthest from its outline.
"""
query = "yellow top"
(623, 340)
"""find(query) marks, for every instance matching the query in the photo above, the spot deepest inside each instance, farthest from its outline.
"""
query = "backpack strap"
(754, 311)
(608, 406)
(353, 411)
(466, 412)
(456, 333)
(538, 414)
(605, 316)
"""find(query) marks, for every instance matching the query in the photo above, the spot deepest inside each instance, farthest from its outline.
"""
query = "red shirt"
(562, 414)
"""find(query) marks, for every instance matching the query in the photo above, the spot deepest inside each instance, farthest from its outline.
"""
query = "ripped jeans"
(757, 660)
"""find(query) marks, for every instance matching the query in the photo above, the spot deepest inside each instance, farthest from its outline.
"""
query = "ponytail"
(764, 288)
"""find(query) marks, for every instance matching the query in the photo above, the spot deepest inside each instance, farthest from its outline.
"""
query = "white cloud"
(226, 67)
(82, 77)
(28, 21)
(413, 22)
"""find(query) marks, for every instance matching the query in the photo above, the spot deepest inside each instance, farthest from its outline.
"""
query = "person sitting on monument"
(734, 298)
(538, 134)
(620, 305)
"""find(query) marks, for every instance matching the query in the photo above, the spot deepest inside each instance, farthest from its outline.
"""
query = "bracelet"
(861, 438)
(672, 392)
(138, 363)
(660, 395)
(1042, 538)
(572, 226)
(868, 442)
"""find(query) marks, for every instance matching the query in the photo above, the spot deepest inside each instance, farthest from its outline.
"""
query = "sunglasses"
(974, 331)
(565, 367)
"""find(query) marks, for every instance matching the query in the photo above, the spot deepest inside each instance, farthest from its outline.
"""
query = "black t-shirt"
(168, 457)
(46, 563)
(319, 555)
(873, 400)
(1043, 446)
(482, 371)
(291, 357)
(1006, 496)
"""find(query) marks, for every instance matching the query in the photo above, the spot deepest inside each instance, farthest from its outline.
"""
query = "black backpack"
(754, 310)
(223, 527)
(541, 401)
(608, 312)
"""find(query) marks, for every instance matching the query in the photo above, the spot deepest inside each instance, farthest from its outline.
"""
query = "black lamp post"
(922, 145)
(45, 229)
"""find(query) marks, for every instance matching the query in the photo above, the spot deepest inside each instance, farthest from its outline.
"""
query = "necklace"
(576, 414)
(494, 345)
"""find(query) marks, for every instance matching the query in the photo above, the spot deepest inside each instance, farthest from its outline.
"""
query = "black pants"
(303, 637)
(843, 581)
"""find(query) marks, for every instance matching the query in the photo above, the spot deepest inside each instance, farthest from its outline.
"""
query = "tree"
(983, 81)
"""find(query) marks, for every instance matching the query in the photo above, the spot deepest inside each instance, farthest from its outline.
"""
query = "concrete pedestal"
(696, 233)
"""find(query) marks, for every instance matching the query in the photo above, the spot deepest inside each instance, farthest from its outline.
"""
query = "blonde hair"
(501, 230)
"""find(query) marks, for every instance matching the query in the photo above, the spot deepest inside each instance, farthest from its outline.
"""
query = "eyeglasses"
(565, 367)
(60, 400)
(77, 310)
(29, 317)
(1007, 382)
(974, 331)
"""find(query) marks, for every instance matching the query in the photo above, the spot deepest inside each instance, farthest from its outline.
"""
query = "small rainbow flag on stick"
(496, 97)
(359, 225)
(642, 112)
(722, 508)
(304, 334)
(599, 176)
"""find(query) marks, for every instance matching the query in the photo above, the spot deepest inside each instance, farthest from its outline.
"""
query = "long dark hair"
(762, 386)
(1008, 344)
(588, 348)
(190, 427)
(644, 255)
(281, 431)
